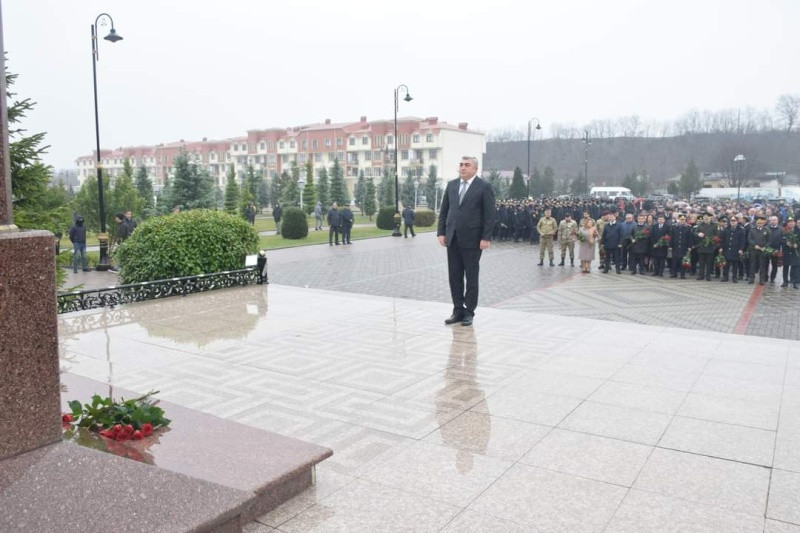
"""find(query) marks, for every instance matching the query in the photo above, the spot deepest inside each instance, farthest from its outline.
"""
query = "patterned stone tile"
(624, 423)
(528, 406)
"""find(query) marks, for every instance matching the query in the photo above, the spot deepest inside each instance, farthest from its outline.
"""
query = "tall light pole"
(538, 127)
(112, 36)
(396, 178)
(587, 142)
(738, 162)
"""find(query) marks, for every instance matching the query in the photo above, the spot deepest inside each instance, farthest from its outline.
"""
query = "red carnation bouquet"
(663, 241)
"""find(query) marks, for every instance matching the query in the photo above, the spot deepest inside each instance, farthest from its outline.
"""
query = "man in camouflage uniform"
(566, 238)
(547, 228)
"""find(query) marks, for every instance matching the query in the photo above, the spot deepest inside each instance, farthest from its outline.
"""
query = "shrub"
(424, 218)
(385, 219)
(294, 224)
(185, 244)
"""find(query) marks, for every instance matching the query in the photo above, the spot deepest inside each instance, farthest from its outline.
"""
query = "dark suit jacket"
(612, 235)
(473, 220)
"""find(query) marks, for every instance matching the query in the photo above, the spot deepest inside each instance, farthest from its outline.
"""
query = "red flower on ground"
(667, 238)
(147, 429)
(137, 435)
(66, 419)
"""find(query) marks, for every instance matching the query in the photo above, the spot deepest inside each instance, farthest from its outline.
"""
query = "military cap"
(761, 217)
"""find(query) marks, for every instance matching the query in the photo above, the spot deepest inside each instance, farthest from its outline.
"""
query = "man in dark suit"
(466, 220)
(659, 251)
(611, 239)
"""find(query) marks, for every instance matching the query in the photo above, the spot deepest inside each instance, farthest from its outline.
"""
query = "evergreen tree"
(145, 187)
(577, 185)
(386, 189)
(276, 192)
(673, 188)
(192, 187)
(323, 189)
(407, 191)
(496, 182)
(251, 178)
(262, 193)
(124, 196)
(309, 189)
(338, 189)
(690, 180)
(431, 188)
(231, 201)
(360, 190)
(87, 203)
(35, 204)
(291, 193)
(369, 199)
(536, 183)
(548, 181)
(517, 190)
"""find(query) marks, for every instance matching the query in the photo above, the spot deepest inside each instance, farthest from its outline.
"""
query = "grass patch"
(91, 240)
(273, 242)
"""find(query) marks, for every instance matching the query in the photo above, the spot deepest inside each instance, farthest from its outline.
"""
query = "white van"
(611, 192)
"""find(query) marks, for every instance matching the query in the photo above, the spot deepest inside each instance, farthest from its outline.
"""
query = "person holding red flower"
(757, 240)
(734, 243)
(791, 254)
(704, 233)
(775, 242)
(680, 236)
(659, 238)
(640, 242)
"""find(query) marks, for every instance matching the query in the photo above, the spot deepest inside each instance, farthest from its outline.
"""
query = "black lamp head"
(113, 36)
(538, 126)
(408, 98)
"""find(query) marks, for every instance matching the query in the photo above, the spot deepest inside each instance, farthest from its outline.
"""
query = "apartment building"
(359, 146)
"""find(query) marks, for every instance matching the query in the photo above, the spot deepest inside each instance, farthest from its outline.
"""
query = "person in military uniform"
(680, 235)
(791, 254)
(704, 233)
(566, 238)
(734, 243)
(757, 239)
(547, 228)
(640, 244)
(658, 253)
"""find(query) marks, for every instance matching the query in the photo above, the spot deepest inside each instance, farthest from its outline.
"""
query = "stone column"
(29, 372)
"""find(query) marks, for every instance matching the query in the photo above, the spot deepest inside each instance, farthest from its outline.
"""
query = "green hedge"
(294, 224)
(188, 243)
(385, 219)
(424, 218)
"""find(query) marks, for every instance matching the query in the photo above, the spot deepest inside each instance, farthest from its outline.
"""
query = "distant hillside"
(661, 157)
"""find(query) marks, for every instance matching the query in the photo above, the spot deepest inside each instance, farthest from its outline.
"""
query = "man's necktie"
(461, 191)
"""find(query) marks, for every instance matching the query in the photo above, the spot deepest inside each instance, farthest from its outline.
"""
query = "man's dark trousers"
(461, 263)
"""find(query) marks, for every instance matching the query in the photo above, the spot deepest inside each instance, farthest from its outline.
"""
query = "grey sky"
(202, 68)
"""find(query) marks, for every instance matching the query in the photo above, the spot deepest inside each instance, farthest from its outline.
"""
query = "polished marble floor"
(524, 422)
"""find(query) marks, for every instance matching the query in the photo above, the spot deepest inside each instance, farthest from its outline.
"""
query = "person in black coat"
(612, 243)
(347, 225)
(334, 223)
(734, 243)
(658, 249)
(757, 239)
(640, 243)
(466, 219)
(680, 240)
(791, 254)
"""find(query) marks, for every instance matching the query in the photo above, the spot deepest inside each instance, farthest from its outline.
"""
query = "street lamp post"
(301, 183)
(587, 142)
(113, 37)
(416, 188)
(538, 127)
(396, 178)
(738, 162)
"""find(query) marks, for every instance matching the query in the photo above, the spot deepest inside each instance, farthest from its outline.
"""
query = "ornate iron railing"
(151, 290)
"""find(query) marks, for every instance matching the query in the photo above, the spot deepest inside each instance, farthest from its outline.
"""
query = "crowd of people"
(709, 240)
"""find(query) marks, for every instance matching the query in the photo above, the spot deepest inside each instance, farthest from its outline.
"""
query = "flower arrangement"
(663, 241)
(686, 262)
(580, 236)
(719, 261)
(790, 238)
(769, 251)
(119, 421)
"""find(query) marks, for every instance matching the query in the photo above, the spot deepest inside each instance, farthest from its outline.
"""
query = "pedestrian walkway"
(526, 421)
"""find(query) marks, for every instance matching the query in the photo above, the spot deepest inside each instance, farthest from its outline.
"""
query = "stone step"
(68, 488)
(272, 467)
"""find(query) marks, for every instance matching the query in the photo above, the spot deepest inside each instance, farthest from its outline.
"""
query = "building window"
(376, 155)
(367, 156)
(271, 158)
(291, 144)
(339, 142)
(390, 139)
(331, 156)
(364, 141)
(327, 143)
(433, 154)
(313, 144)
(352, 141)
(304, 145)
(281, 145)
(416, 137)
(318, 157)
(429, 138)
(301, 158)
(378, 171)
(263, 145)
(284, 158)
(340, 156)
(235, 147)
(376, 140)
(404, 154)
(368, 172)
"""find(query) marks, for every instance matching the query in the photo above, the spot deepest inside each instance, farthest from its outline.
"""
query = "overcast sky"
(203, 68)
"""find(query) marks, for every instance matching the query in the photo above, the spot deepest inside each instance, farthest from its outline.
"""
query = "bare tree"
(788, 108)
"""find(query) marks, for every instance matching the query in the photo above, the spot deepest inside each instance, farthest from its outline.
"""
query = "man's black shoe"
(467, 320)
(552, 264)
(784, 285)
(454, 318)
